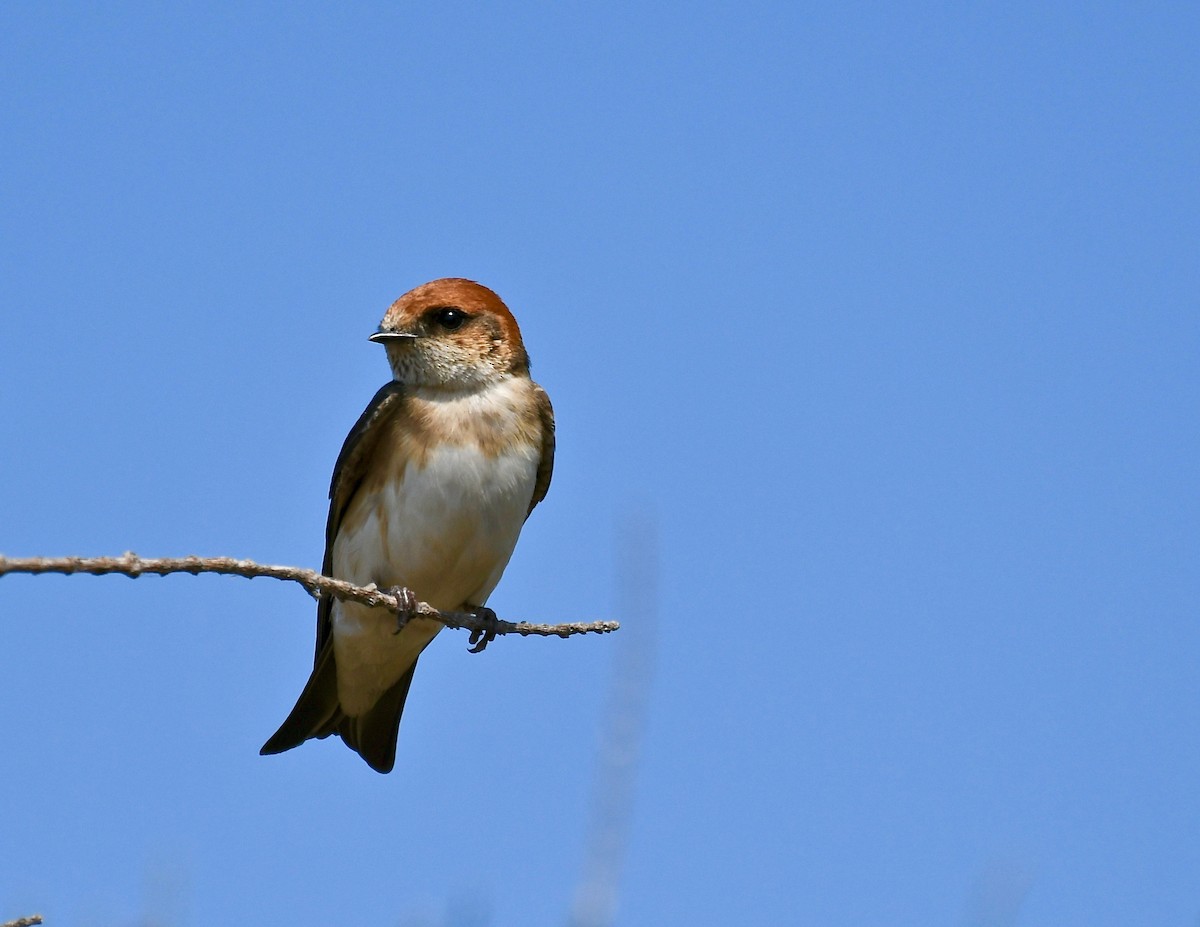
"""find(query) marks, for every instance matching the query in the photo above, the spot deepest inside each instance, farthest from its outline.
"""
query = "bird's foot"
(408, 606)
(481, 637)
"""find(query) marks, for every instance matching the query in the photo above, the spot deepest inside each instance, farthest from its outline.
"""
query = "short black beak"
(383, 337)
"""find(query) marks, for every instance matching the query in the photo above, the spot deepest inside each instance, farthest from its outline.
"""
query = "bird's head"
(451, 333)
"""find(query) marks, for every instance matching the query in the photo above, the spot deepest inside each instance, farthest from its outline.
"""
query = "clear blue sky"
(890, 319)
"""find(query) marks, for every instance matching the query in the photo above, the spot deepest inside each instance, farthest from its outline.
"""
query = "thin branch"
(30, 921)
(133, 566)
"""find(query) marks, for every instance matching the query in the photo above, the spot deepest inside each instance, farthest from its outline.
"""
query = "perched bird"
(429, 493)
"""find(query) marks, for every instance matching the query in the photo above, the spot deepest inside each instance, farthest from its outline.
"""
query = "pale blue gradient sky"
(888, 317)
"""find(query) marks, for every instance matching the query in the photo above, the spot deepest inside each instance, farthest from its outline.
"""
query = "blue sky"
(885, 318)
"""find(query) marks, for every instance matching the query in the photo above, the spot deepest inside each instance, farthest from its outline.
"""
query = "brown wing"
(546, 464)
(347, 476)
(318, 712)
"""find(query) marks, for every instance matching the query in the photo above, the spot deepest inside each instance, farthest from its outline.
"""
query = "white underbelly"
(446, 531)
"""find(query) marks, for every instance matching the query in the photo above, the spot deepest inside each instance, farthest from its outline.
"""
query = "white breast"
(446, 530)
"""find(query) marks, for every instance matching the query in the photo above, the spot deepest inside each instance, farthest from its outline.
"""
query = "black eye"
(449, 318)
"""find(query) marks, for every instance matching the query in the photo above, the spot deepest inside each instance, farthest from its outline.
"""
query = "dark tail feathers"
(372, 735)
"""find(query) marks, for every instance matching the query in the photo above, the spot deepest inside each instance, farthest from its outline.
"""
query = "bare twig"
(133, 566)
(24, 921)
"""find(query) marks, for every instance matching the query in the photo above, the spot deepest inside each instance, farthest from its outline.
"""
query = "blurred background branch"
(24, 921)
(596, 897)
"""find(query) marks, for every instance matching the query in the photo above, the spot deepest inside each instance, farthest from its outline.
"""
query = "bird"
(429, 493)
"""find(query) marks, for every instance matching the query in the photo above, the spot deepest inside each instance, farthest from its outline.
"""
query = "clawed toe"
(481, 637)
(408, 606)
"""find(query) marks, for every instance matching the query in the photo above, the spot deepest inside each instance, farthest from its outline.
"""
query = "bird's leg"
(481, 637)
(408, 606)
